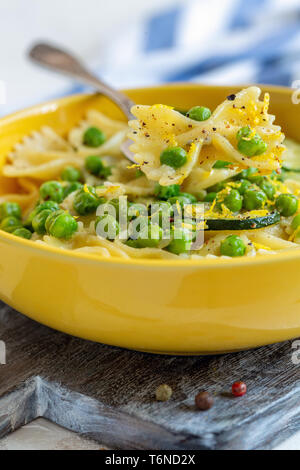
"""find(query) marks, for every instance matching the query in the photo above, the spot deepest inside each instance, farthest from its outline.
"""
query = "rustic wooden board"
(106, 393)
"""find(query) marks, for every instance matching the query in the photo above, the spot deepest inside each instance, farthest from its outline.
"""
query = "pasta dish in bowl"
(211, 198)
(197, 172)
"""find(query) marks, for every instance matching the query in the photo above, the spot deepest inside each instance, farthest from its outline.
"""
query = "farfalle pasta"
(227, 174)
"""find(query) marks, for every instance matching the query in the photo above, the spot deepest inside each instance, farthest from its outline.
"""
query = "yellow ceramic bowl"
(174, 307)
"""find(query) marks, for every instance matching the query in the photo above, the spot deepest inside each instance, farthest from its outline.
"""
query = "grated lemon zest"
(259, 246)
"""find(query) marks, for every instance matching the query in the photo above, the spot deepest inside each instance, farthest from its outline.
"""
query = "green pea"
(232, 246)
(22, 233)
(243, 186)
(95, 165)
(51, 217)
(258, 180)
(132, 243)
(221, 164)
(210, 197)
(252, 147)
(287, 204)
(248, 174)
(10, 224)
(86, 202)
(8, 209)
(39, 221)
(164, 211)
(175, 157)
(52, 190)
(115, 203)
(181, 111)
(183, 198)
(149, 237)
(296, 222)
(268, 188)
(199, 113)
(139, 173)
(51, 205)
(234, 201)
(165, 192)
(254, 199)
(200, 195)
(71, 187)
(93, 137)
(109, 225)
(278, 177)
(62, 226)
(181, 242)
(216, 188)
(70, 173)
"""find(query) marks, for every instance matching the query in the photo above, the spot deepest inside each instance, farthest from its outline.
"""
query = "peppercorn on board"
(231, 163)
(108, 394)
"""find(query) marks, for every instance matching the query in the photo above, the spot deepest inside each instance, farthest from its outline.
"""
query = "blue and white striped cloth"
(211, 41)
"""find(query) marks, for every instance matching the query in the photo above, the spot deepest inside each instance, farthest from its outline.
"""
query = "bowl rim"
(201, 263)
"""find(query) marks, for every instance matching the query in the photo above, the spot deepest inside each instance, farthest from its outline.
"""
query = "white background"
(83, 26)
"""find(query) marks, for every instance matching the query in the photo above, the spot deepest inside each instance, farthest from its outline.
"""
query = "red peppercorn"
(239, 389)
(203, 401)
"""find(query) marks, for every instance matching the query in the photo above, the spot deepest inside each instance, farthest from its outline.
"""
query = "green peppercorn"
(232, 246)
(71, 174)
(8, 209)
(10, 224)
(254, 199)
(93, 137)
(199, 113)
(287, 204)
(175, 157)
(22, 233)
(52, 190)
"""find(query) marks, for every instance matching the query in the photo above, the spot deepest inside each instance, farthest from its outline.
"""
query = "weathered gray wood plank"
(107, 393)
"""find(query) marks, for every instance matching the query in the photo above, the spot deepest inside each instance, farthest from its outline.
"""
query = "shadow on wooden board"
(107, 393)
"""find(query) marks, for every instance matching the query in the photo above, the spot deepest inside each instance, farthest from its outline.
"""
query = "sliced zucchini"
(243, 222)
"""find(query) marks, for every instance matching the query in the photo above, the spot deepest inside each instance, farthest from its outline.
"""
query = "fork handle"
(61, 61)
